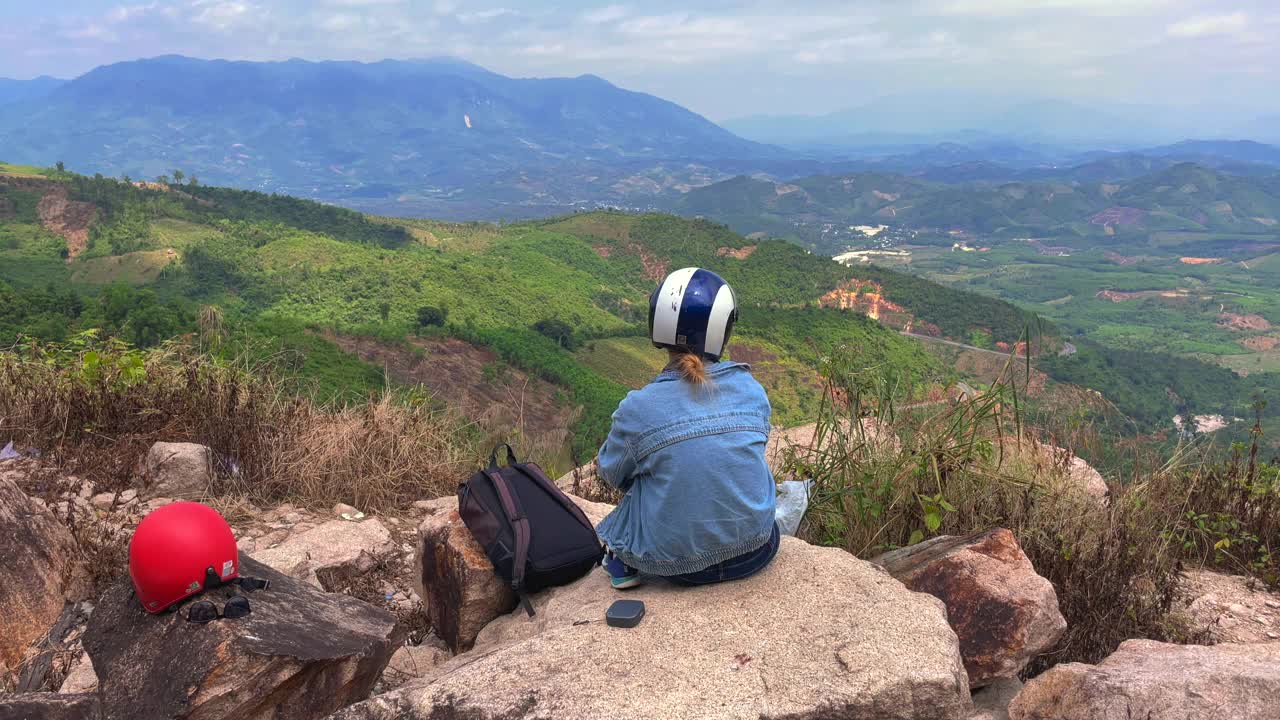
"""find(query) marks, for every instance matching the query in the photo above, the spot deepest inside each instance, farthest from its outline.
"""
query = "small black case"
(624, 614)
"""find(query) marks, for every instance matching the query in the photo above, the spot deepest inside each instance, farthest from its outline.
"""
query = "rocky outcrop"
(41, 569)
(1002, 611)
(1158, 681)
(178, 470)
(300, 654)
(817, 634)
(50, 706)
(455, 579)
(1215, 608)
(332, 553)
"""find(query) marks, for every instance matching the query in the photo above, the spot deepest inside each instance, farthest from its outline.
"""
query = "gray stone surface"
(41, 569)
(331, 553)
(49, 706)
(1158, 681)
(992, 701)
(817, 634)
(300, 654)
(178, 470)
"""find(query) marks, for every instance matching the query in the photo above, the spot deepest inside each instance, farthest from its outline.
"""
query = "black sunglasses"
(203, 612)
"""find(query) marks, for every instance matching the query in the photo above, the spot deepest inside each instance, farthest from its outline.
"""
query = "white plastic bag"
(8, 453)
(793, 501)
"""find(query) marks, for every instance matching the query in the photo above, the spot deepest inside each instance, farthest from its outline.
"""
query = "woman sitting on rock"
(688, 449)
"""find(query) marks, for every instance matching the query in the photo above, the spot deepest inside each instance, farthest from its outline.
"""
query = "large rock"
(178, 470)
(1158, 681)
(49, 706)
(300, 654)
(332, 553)
(817, 634)
(41, 569)
(455, 579)
(1003, 612)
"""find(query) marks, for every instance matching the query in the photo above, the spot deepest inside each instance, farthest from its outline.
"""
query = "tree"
(384, 310)
(162, 179)
(432, 316)
(177, 176)
(60, 166)
(557, 330)
(193, 181)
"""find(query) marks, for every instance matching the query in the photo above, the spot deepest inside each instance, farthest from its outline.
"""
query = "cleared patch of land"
(506, 403)
(135, 268)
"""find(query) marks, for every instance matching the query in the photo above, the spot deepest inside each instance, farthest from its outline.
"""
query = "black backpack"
(534, 535)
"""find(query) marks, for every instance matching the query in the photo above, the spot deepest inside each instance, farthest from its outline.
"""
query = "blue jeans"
(733, 568)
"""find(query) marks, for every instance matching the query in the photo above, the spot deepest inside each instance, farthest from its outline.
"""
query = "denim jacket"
(691, 462)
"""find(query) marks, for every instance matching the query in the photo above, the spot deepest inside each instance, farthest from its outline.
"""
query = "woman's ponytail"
(692, 369)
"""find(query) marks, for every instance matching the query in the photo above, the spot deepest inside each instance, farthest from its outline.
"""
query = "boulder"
(992, 702)
(41, 569)
(331, 554)
(301, 653)
(1002, 611)
(50, 706)
(1154, 680)
(455, 579)
(816, 634)
(178, 470)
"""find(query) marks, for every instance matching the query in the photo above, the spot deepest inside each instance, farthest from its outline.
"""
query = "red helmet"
(175, 549)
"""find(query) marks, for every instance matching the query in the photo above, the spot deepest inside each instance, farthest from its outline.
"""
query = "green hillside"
(565, 299)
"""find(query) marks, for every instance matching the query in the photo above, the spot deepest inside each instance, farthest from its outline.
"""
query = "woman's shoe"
(621, 577)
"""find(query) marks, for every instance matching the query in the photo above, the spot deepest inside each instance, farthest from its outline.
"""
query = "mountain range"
(1081, 201)
(445, 138)
(409, 137)
(963, 116)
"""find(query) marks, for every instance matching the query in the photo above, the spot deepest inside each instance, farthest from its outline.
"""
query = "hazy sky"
(723, 58)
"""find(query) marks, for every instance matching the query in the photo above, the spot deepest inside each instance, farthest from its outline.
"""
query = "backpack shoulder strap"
(520, 524)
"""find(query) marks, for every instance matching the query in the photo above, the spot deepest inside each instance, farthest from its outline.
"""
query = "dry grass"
(972, 465)
(378, 455)
(94, 408)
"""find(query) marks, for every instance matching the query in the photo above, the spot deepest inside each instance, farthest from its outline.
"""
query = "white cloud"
(91, 31)
(362, 3)
(606, 15)
(125, 13)
(341, 22)
(482, 16)
(221, 14)
(1205, 25)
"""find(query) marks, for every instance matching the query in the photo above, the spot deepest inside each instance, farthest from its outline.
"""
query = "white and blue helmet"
(693, 310)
